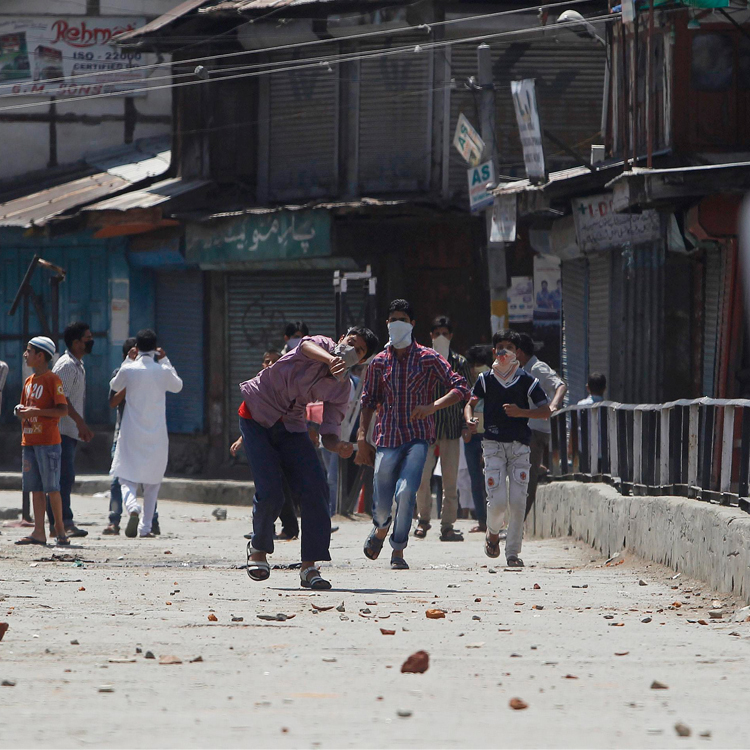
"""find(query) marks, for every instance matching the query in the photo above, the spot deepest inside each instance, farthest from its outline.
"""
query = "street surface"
(575, 650)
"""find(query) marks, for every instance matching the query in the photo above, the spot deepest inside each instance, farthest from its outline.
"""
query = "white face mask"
(400, 333)
(505, 366)
(292, 344)
(349, 355)
(442, 345)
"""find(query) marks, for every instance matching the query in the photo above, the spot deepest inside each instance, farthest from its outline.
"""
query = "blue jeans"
(41, 468)
(115, 498)
(67, 477)
(274, 452)
(398, 473)
(473, 453)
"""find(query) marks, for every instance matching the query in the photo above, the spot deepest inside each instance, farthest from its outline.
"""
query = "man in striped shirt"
(400, 384)
(69, 368)
(449, 424)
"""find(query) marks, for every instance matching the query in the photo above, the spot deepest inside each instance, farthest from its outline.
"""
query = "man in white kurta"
(143, 446)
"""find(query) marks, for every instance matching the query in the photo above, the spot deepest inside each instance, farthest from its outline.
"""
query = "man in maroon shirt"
(399, 384)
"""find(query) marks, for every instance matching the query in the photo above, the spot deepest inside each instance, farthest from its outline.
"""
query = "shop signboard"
(481, 181)
(529, 128)
(68, 56)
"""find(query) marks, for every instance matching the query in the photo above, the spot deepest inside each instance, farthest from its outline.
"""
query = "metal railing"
(695, 448)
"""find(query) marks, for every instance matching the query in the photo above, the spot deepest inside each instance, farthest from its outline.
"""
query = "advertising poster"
(547, 290)
(529, 128)
(59, 55)
(521, 300)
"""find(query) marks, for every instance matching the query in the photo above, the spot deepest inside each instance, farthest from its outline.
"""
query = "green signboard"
(286, 235)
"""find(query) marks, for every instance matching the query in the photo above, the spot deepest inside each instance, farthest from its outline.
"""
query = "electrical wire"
(353, 37)
(304, 64)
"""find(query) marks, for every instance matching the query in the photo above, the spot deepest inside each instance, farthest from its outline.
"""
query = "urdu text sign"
(529, 127)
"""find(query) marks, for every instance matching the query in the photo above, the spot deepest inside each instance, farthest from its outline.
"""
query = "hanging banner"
(57, 55)
(521, 299)
(480, 195)
(598, 226)
(467, 141)
(503, 228)
(529, 128)
(547, 290)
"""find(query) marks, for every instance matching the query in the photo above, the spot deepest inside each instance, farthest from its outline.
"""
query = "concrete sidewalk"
(579, 641)
(211, 491)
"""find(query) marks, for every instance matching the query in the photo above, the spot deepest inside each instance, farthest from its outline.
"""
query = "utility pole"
(496, 270)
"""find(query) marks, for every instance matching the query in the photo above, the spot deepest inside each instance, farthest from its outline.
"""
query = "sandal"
(30, 540)
(258, 570)
(478, 529)
(398, 563)
(421, 531)
(514, 562)
(310, 578)
(373, 545)
(449, 534)
(491, 549)
(62, 541)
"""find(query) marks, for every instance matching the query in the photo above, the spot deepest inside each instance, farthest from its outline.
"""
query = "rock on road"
(565, 635)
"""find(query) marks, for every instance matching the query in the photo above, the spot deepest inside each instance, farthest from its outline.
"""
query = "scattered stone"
(167, 551)
(196, 660)
(106, 689)
(435, 614)
(537, 587)
(702, 622)
(538, 606)
(716, 614)
(417, 663)
(170, 660)
(365, 611)
(706, 735)
(3, 629)
(120, 660)
(385, 631)
(646, 620)
(475, 645)
(341, 608)
(517, 704)
(734, 632)
(220, 514)
(81, 588)
(476, 617)
(404, 713)
(491, 570)
(371, 604)
(329, 659)
(682, 730)
(138, 650)
(616, 624)
(621, 653)
(149, 655)
(676, 605)
(213, 618)
(641, 582)
(318, 608)
(570, 677)
(238, 619)
(280, 617)
(8, 683)
(609, 617)
(478, 599)
(656, 685)
(74, 642)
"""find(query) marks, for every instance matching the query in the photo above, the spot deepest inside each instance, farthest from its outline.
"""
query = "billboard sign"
(529, 128)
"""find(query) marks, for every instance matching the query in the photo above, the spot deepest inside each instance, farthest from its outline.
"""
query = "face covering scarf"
(349, 355)
(400, 334)
(442, 345)
(505, 366)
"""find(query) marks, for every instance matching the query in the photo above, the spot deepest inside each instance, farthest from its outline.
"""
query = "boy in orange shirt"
(42, 404)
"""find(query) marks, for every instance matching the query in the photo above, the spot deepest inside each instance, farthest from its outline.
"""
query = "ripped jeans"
(509, 461)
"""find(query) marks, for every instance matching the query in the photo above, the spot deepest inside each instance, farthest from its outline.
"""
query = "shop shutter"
(303, 127)
(179, 330)
(575, 335)
(569, 78)
(260, 305)
(599, 292)
(394, 118)
(712, 317)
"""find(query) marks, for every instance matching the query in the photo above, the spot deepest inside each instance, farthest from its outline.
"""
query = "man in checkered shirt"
(399, 385)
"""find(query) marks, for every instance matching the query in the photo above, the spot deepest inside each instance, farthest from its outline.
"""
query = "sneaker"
(111, 530)
(155, 529)
(75, 531)
(131, 530)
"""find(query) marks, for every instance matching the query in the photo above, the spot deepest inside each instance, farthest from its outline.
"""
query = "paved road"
(331, 679)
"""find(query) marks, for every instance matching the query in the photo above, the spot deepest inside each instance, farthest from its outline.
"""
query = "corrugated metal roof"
(149, 197)
(159, 23)
(117, 168)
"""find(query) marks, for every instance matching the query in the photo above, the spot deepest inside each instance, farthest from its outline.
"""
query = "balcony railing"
(694, 448)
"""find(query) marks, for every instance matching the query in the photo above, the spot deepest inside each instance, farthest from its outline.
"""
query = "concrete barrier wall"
(708, 542)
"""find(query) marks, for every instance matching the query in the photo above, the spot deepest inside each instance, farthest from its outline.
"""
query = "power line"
(387, 32)
(329, 60)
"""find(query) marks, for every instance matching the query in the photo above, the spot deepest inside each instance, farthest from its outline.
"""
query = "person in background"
(596, 386)
(480, 359)
(288, 513)
(3, 380)
(69, 368)
(293, 334)
(117, 401)
(42, 405)
(511, 397)
(400, 385)
(555, 389)
(143, 446)
(449, 426)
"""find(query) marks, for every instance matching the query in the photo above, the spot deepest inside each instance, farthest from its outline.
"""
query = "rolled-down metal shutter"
(303, 131)
(179, 331)
(712, 316)
(599, 295)
(394, 118)
(575, 334)
(260, 305)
